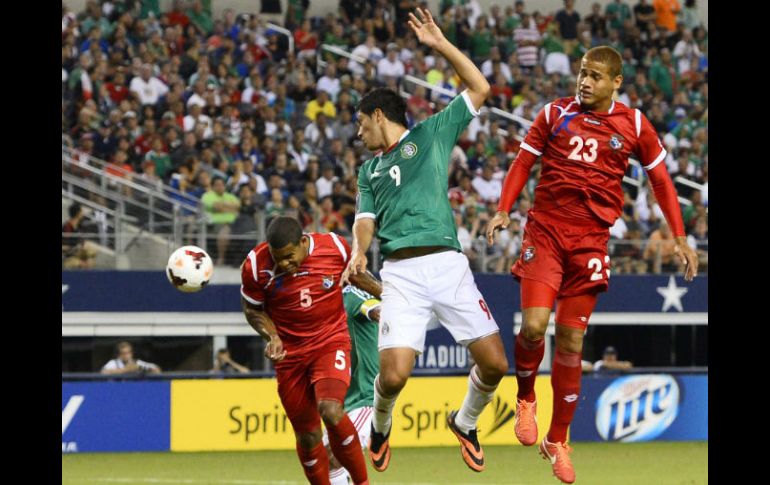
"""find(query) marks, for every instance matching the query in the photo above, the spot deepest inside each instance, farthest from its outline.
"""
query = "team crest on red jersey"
(616, 142)
(328, 282)
(528, 254)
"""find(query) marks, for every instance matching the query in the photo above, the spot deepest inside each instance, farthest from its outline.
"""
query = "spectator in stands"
(77, 251)
(226, 365)
(146, 88)
(486, 186)
(321, 104)
(610, 362)
(568, 20)
(240, 62)
(222, 209)
(390, 65)
(528, 41)
(125, 363)
(660, 252)
(319, 134)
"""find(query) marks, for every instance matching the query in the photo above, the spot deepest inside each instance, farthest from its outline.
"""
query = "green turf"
(595, 464)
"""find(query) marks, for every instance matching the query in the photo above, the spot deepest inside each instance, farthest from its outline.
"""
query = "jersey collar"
(609, 111)
(312, 243)
(391, 147)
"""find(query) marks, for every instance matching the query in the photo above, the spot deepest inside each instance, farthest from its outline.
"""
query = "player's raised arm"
(428, 33)
(261, 322)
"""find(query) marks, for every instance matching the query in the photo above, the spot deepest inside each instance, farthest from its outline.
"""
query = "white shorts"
(417, 292)
(362, 420)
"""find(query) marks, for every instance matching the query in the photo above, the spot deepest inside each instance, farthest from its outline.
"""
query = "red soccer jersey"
(585, 154)
(306, 306)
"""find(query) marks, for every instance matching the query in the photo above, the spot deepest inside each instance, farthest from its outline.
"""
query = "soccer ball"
(189, 269)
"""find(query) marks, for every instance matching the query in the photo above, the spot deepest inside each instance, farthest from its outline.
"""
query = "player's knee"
(331, 412)
(392, 382)
(493, 370)
(309, 440)
(533, 328)
(569, 339)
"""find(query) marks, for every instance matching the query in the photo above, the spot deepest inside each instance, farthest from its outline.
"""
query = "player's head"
(379, 108)
(287, 245)
(599, 76)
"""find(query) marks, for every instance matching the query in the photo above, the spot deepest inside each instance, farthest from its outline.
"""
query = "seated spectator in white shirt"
(610, 361)
(329, 82)
(486, 185)
(390, 65)
(126, 364)
(367, 50)
(147, 88)
(325, 183)
(195, 118)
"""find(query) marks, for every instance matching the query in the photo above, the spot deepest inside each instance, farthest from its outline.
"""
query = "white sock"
(383, 409)
(478, 396)
(338, 476)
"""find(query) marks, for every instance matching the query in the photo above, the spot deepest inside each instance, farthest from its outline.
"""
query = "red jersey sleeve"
(251, 290)
(344, 249)
(537, 136)
(649, 149)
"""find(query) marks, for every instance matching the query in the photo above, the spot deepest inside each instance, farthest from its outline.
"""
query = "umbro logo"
(571, 397)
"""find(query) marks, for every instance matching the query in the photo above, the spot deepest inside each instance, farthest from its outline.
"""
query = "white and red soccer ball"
(189, 269)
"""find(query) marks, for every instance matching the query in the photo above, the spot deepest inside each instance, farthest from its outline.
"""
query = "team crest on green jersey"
(409, 150)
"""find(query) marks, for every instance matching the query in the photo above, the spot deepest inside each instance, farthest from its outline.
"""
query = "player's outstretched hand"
(501, 220)
(426, 30)
(356, 265)
(688, 256)
(274, 350)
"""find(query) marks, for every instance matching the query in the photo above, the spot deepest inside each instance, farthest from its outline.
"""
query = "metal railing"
(284, 31)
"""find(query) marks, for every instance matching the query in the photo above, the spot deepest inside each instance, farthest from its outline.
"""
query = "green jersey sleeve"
(447, 124)
(364, 197)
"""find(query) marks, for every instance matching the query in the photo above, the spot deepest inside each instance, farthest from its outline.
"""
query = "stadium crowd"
(223, 111)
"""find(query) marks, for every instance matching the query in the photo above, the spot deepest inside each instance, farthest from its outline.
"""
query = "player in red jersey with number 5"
(585, 142)
(291, 295)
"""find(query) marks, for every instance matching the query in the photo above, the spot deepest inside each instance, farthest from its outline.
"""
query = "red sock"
(565, 380)
(344, 442)
(528, 355)
(315, 463)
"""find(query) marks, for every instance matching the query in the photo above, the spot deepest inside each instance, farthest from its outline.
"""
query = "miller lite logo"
(637, 408)
(616, 142)
(328, 282)
(528, 254)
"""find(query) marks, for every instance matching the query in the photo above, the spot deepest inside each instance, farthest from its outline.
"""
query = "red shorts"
(296, 383)
(568, 254)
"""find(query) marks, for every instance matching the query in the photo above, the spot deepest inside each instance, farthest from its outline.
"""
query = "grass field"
(660, 463)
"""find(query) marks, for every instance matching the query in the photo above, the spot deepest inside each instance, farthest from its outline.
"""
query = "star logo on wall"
(672, 295)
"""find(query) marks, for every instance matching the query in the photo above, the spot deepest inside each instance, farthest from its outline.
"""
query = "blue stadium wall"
(141, 417)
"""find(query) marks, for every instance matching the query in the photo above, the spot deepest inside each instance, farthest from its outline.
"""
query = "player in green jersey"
(363, 310)
(402, 192)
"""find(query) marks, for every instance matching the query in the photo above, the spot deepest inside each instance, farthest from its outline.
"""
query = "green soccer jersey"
(405, 189)
(365, 359)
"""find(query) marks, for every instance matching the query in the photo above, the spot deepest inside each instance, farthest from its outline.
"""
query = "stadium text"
(443, 356)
